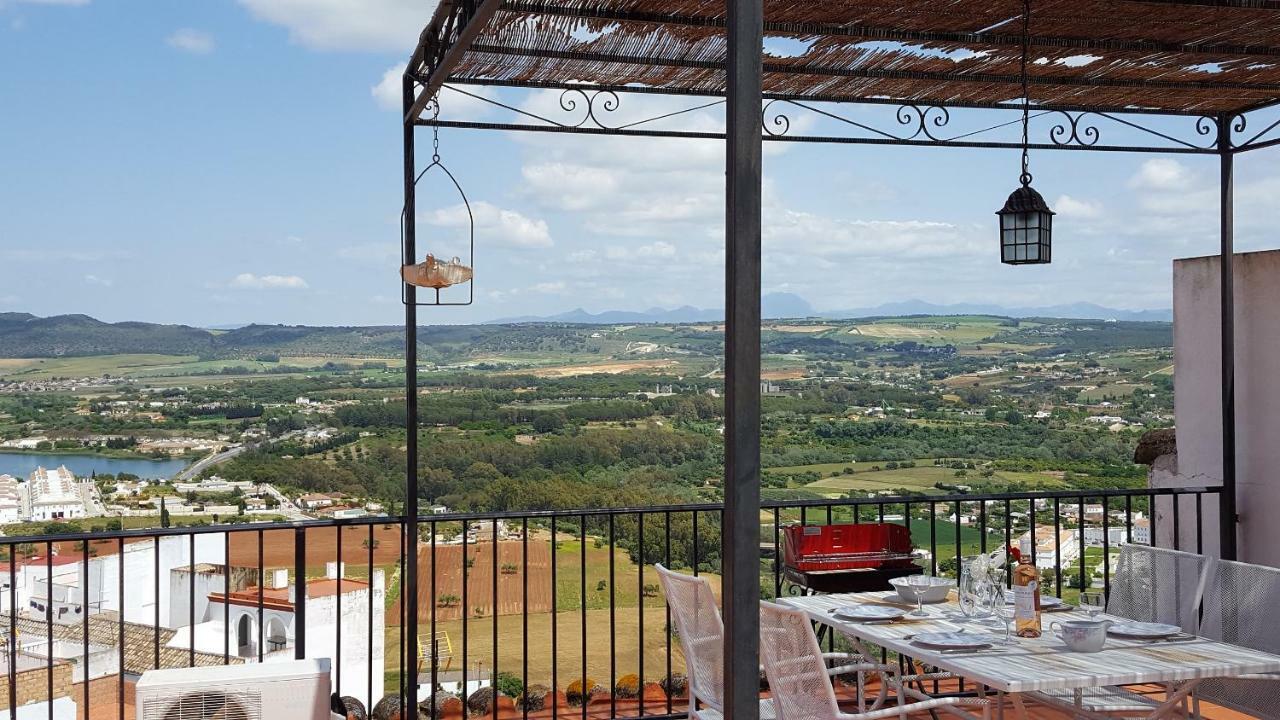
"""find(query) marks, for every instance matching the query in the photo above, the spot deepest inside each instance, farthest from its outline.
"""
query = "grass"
(569, 583)
(919, 478)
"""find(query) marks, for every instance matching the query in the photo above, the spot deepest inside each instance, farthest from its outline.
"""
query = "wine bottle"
(1026, 593)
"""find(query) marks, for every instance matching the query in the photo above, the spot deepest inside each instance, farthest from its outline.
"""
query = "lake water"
(20, 465)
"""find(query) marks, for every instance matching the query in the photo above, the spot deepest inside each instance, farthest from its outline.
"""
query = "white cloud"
(268, 282)
(196, 42)
(492, 223)
(95, 280)
(1162, 174)
(548, 288)
(466, 103)
(378, 25)
(1070, 207)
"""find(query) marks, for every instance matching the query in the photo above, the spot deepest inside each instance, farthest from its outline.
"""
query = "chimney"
(278, 578)
(379, 579)
(335, 569)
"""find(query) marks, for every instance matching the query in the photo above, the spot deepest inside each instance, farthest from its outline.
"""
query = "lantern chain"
(1026, 93)
(435, 130)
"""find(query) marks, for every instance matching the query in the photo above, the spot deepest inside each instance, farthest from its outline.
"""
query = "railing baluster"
(777, 553)
(1199, 524)
(524, 615)
(84, 627)
(582, 575)
(48, 619)
(1031, 519)
(375, 695)
(933, 537)
(226, 595)
(666, 561)
(1177, 521)
(1151, 521)
(262, 581)
(12, 645)
(1080, 538)
(466, 610)
(613, 655)
(1057, 545)
(191, 602)
(493, 676)
(1106, 545)
(300, 594)
(337, 627)
(555, 614)
(640, 602)
(1008, 541)
(156, 629)
(119, 629)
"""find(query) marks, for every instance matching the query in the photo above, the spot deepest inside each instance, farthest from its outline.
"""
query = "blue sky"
(224, 162)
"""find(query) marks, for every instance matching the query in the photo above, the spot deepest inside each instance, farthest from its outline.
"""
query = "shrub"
(675, 685)
(481, 701)
(627, 686)
(510, 685)
(533, 698)
(509, 568)
(575, 693)
(436, 704)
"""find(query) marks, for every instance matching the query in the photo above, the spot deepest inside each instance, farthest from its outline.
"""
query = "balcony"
(491, 613)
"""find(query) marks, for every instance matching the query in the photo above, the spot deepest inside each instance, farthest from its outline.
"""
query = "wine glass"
(1004, 613)
(918, 584)
(1093, 602)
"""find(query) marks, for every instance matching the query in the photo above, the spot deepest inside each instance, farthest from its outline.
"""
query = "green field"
(923, 477)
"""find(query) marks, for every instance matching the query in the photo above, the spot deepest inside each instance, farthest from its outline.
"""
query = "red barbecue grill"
(847, 558)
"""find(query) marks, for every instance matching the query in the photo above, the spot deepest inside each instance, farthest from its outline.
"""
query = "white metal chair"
(701, 631)
(800, 683)
(1151, 584)
(1154, 584)
(1240, 602)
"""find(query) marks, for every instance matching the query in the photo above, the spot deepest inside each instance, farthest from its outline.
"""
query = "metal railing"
(513, 600)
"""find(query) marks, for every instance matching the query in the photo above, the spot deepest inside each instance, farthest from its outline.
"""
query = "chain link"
(1026, 93)
(435, 130)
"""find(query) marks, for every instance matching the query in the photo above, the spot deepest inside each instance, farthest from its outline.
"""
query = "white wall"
(1196, 308)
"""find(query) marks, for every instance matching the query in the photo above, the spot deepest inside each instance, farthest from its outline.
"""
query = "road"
(195, 468)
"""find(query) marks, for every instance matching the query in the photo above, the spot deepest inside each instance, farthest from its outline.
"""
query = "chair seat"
(1109, 699)
(766, 712)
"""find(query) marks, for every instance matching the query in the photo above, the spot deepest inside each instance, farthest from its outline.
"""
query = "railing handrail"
(148, 533)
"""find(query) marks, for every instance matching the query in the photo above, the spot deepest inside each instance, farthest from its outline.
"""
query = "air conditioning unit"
(293, 690)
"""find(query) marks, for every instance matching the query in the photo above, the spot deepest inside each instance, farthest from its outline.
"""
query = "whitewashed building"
(10, 500)
(53, 495)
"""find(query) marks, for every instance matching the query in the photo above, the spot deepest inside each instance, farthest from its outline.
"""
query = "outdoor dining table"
(1041, 668)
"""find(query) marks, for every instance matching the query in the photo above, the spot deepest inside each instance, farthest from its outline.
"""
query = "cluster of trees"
(898, 440)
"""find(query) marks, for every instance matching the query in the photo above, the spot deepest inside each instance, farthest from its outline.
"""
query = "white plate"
(1046, 601)
(952, 641)
(1143, 630)
(868, 612)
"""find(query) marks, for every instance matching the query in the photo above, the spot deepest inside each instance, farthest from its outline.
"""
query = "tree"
(164, 515)
(548, 422)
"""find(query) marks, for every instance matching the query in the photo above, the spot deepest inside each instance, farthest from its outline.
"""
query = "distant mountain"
(786, 305)
(772, 306)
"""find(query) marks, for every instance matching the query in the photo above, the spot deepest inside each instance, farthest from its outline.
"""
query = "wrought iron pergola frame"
(753, 117)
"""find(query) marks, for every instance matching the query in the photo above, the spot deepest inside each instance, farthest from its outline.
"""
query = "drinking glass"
(1004, 613)
(918, 584)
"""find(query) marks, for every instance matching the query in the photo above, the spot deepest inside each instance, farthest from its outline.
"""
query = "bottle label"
(1024, 601)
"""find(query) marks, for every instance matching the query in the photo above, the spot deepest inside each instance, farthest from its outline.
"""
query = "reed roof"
(1176, 56)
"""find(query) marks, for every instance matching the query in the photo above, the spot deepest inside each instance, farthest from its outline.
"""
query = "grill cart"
(846, 558)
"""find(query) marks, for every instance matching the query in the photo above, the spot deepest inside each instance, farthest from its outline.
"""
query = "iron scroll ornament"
(569, 103)
(917, 118)
(436, 164)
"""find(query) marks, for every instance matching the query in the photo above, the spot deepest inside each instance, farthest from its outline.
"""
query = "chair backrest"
(701, 633)
(1239, 602)
(793, 663)
(1158, 585)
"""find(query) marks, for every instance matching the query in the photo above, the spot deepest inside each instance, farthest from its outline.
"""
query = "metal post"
(1226, 186)
(299, 593)
(740, 542)
(409, 598)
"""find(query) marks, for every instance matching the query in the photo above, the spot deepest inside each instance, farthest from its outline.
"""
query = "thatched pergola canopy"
(1202, 57)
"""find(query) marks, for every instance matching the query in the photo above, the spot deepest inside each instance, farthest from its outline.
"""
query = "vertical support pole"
(409, 598)
(1226, 209)
(740, 542)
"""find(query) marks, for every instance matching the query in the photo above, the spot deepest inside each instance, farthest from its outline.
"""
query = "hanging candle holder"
(434, 273)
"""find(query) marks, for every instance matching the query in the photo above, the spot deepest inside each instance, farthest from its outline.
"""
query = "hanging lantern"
(1026, 228)
(1026, 222)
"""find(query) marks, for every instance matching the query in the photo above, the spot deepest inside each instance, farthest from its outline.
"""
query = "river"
(20, 465)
